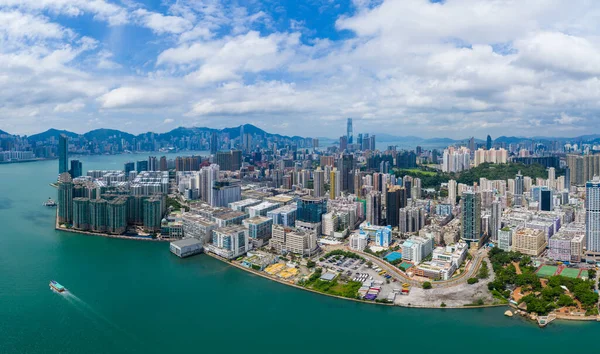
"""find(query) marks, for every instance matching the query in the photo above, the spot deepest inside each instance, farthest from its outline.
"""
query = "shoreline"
(89, 233)
(261, 274)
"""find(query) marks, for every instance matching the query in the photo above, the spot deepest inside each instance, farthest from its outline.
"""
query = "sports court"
(570, 273)
(546, 271)
(393, 256)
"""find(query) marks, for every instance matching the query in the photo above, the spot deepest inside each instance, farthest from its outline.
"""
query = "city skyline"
(297, 69)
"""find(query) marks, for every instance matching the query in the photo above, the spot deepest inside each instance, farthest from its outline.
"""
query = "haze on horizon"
(453, 68)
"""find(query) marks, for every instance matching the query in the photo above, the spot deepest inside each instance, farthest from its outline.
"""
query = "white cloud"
(143, 97)
(160, 23)
(168, 121)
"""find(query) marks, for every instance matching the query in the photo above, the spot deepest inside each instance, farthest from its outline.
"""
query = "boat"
(54, 285)
(50, 203)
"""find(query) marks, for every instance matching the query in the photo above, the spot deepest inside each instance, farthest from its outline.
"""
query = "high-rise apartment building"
(334, 183)
(592, 216)
(374, 208)
(318, 183)
(471, 217)
(65, 198)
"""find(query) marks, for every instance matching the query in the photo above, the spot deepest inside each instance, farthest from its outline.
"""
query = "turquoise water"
(135, 297)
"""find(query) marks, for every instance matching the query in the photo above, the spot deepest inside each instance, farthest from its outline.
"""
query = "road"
(400, 276)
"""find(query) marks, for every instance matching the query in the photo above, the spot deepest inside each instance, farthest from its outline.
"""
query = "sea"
(129, 296)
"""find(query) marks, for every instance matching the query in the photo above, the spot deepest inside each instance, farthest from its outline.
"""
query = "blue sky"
(451, 68)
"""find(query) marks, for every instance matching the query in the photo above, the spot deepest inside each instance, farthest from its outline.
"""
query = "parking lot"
(357, 270)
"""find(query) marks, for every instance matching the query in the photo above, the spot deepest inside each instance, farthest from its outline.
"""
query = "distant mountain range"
(442, 142)
(234, 132)
(104, 134)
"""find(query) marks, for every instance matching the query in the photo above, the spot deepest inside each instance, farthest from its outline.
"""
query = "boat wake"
(96, 317)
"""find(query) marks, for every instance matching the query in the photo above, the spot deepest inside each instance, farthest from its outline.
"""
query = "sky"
(452, 68)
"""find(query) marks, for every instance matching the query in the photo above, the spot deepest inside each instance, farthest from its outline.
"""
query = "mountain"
(51, 133)
(2, 132)
(105, 134)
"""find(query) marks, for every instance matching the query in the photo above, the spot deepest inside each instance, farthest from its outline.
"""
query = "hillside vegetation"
(430, 179)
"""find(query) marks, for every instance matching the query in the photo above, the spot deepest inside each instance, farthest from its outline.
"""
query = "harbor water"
(136, 297)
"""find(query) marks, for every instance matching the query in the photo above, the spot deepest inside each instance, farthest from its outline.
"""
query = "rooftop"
(186, 242)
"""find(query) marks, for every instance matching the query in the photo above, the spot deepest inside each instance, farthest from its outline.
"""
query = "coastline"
(262, 274)
(88, 233)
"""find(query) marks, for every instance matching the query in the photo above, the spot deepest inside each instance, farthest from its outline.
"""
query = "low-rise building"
(229, 241)
(198, 227)
(186, 247)
(505, 238)
(287, 239)
(417, 248)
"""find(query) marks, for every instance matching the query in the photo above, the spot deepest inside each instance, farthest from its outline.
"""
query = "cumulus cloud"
(455, 68)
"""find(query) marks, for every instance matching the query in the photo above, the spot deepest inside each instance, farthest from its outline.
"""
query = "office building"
(310, 209)
(76, 169)
(128, 167)
(395, 200)
(229, 160)
(349, 133)
(259, 228)
(229, 242)
(141, 166)
(214, 144)
(287, 239)
(285, 215)
(63, 154)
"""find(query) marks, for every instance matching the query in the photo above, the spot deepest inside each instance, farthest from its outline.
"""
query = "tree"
(472, 281)
(310, 264)
(426, 285)
(565, 300)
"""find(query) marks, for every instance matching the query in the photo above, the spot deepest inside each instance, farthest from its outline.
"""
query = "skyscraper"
(452, 191)
(63, 154)
(374, 208)
(319, 182)
(345, 166)
(163, 164)
(152, 163)
(488, 144)
(334, 184)
(519, 190)
(349, 131)
(128, 167)
(471, 217)
(65, 198)
(592, 216)
(141, 166)
(76, 169)
(394, 201)
(310, 209)
(214, 144)
(495, 220)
